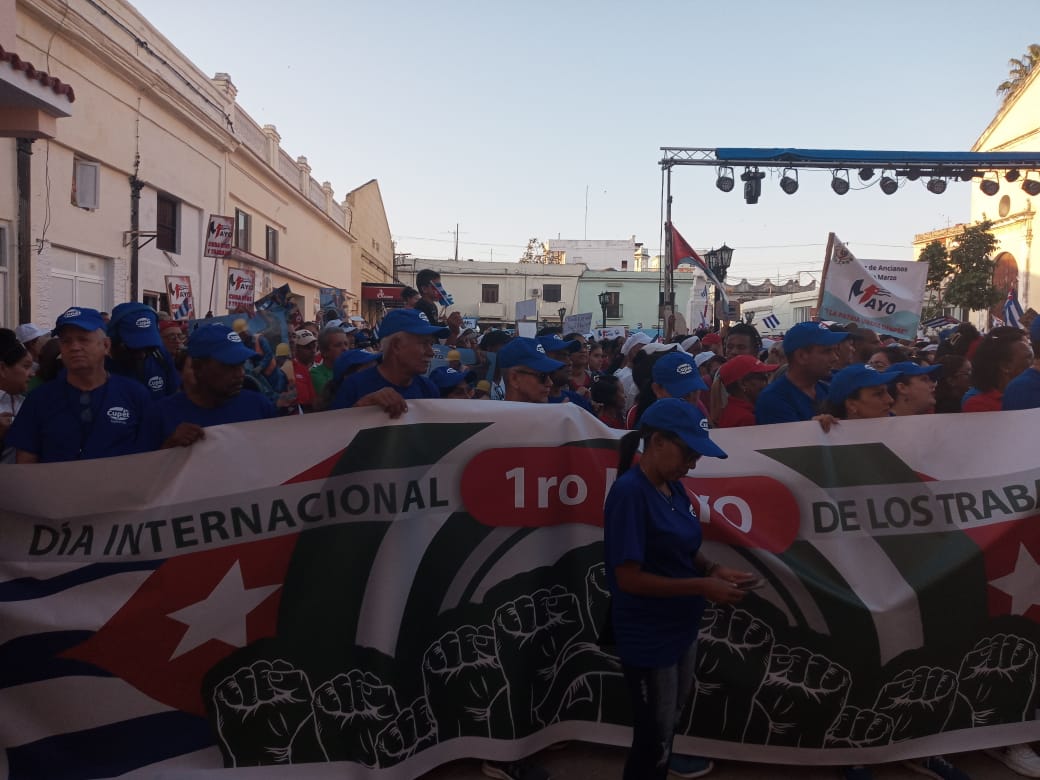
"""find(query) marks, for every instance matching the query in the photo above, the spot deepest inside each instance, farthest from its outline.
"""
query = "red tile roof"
(43, 77)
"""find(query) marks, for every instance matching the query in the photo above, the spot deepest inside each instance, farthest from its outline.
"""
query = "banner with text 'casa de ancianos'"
(882, 295)
(372, 598)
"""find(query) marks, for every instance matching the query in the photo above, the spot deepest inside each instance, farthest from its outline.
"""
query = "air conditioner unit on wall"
(535, 292)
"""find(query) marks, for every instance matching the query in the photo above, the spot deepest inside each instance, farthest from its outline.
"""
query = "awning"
(371, 291)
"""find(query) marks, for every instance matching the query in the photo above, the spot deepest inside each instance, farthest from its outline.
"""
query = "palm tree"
(1019, 72)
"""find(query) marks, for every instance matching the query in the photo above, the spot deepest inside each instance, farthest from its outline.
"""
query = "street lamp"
(718, 261)
(604, 301)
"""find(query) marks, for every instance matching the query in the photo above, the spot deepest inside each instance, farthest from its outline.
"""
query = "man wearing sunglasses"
(527, 371)
(86, 412)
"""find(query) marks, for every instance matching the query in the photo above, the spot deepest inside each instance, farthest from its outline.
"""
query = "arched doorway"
(1005, 276)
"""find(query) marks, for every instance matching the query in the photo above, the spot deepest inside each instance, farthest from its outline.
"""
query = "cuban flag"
(185, 310)
(1013, 309)
(938, 322)
(444, 295)
(772, 322)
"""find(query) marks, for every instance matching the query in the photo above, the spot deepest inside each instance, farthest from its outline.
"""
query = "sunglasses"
(542, 376)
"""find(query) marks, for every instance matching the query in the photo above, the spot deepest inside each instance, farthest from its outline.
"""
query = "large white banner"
(883, 295)
(372, 598)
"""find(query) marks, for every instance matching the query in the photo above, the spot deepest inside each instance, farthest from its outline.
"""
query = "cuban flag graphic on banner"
(772, 321)
(1013, 309)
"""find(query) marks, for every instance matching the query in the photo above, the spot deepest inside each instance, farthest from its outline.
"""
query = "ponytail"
(627, 450)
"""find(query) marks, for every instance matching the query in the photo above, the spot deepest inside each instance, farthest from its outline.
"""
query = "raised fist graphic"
(801, 696)
(857, 728)
(259, 709)
(462, 677)
(411, 731)
(350, 710)
(998, 679)
(733, 653)
(918, 701)
(597, 599)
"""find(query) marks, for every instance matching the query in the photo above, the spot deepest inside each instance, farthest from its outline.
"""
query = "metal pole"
(24, 176)
(136, 185)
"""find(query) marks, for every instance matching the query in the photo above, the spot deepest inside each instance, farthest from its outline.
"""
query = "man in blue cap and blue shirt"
(137, 350)
(86, 412)
(560, 350)
(213, 395)
(406, 339)
(798, 394)
(526, 370)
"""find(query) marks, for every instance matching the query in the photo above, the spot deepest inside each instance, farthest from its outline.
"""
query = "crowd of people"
(101, 386)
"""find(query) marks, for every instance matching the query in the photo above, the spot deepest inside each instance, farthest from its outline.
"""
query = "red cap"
(178, 324)
(711, 338)
(735, 369)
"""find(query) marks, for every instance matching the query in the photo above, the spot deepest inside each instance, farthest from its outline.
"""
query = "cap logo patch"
(143, 322)
(704, 424)
(118, 414)
(234, 337)
(72, 313)
(540, 348)
(424, 318)
(157, 383)
(684, 369)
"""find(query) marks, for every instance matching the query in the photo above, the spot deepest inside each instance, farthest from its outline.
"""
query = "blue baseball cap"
(446, 377)
(910, 368)
(220, 343)
(685, 421)
(554, 343)
(80, 317)
(677, 373)
(856, 377)
(526, 352)
(135, 325)
(811, 334)
(409, 321)
(351, 358)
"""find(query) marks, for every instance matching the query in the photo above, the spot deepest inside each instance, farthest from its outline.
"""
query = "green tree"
(1019, 70)
(939, 270)
(971, 285)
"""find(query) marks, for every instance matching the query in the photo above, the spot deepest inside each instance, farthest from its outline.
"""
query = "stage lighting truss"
(936, 185)
(752, 178)
(1031, 187)
(1011, 175)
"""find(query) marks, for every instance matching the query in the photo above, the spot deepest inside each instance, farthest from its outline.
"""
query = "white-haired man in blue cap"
(406, 340)
(526, 370)
(86, 412)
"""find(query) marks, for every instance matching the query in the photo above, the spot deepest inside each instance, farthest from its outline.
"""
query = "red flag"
(682, 251)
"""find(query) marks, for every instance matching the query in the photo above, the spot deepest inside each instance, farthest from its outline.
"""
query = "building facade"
(122, 192)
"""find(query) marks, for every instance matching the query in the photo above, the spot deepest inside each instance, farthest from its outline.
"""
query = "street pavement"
(585, 761)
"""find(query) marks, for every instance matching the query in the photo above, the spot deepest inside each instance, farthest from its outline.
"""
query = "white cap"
(688, 344)
(27, 332)
(654, 347)
(337, 323)
(703, 357)
(637, 339)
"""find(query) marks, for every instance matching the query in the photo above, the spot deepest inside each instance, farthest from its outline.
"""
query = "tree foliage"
(1018, 71)
(939, 268)
(971, 269)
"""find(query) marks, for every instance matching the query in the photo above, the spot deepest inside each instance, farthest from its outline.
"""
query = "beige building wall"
(193, 144)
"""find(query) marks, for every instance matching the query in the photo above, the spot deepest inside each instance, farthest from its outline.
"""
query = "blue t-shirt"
(164, 417)
(155, 372)
(58, 422)
(357, 386)
(663, 535)
(782, 402)
(574, 398)
(1023, 392)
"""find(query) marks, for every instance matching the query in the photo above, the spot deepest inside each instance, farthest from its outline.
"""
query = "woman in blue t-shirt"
(658, 577)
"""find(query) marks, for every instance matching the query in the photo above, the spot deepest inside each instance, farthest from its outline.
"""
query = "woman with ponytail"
(660, 580)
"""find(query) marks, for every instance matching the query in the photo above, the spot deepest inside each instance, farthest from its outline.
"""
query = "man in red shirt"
(303, 357)
(744, 377)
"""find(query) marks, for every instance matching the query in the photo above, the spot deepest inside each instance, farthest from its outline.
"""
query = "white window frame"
(86, 184)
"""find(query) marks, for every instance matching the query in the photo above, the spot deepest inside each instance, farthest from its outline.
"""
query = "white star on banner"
(1022, 584)
(222, 614)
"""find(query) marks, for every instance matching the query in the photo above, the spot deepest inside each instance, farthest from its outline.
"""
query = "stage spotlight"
(966, 175)
(725, 180)
(1012, 175)
(990, 186)
(888, 184)
(936, 185)
(1031, 187)
(913, 174)
(789, 183)
(866, 173)
(752, 178)
(838, 184)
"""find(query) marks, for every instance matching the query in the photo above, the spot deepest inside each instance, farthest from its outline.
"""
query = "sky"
(545, 119)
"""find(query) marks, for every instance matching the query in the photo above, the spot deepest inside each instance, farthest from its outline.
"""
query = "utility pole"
(456, 242)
